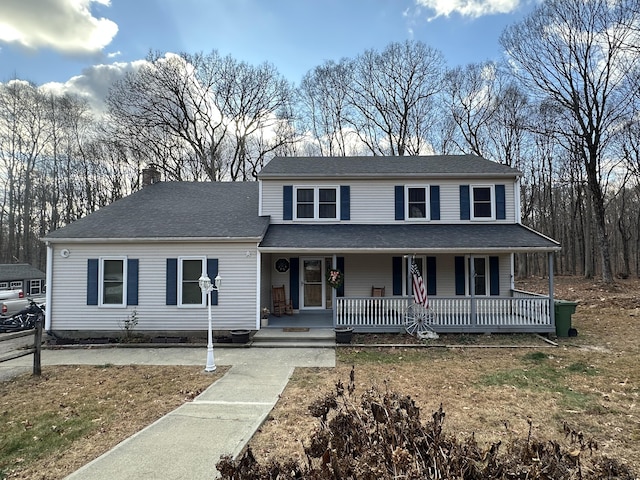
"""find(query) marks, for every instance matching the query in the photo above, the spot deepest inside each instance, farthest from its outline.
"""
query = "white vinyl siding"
(236, 307)
(373, 201)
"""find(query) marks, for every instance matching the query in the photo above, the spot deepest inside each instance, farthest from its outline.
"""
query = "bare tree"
(392, 94)
(324, 98)
(578, 55)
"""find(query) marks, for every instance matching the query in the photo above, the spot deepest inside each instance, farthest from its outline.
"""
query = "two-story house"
(456, 217)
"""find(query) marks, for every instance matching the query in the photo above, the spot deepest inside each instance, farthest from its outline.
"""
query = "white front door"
(312, 275)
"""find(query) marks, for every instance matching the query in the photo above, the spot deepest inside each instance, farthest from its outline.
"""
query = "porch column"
(334, 293)
(552, 310)
(472, 288)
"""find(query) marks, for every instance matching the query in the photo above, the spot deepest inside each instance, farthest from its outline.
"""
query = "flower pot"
(240, 336)
(344, 334)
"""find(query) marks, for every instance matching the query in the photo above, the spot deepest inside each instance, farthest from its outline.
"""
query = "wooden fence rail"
(36, 350)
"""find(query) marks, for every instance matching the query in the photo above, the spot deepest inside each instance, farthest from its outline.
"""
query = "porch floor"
(313, 319)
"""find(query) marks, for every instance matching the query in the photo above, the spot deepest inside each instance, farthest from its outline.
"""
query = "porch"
(520, 312)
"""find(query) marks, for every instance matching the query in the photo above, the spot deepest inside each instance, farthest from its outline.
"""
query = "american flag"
(419, 290)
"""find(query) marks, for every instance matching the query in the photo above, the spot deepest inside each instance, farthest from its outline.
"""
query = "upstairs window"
(316, 203)
(417, 205)
(482, 203)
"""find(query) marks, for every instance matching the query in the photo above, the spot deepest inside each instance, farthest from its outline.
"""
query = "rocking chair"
(280, 303)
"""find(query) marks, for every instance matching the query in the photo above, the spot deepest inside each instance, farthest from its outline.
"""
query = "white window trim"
(427, 205)
(203, 299)
(101, 283)
(16, 284)
(492, 200)
(37, 283)
(4, 285)
(407, 286)
(316, 202)
(468, 279)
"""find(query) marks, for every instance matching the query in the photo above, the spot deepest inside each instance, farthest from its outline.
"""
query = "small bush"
(381, 436)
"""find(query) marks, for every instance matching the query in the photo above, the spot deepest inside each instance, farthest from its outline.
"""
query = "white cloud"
(469, 8)
(94, 82)
(67, 26)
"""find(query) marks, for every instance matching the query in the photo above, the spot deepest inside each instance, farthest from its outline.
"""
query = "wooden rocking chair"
(280, 303)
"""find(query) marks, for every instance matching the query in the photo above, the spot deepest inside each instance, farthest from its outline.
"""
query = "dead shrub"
(383, 437)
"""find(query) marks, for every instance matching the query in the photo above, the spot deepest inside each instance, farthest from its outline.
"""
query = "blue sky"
(83, 44)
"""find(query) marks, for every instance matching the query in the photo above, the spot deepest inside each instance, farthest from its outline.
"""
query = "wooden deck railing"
(452, 314)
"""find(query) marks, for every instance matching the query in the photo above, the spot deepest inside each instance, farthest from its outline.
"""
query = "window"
(4, 285)
(482, 203)
(190, 269)
(417, 203)
(15, 285)
(112, 275)
(35, 287)
(316, 203)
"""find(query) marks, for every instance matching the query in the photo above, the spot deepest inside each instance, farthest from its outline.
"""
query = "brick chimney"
(150, 175)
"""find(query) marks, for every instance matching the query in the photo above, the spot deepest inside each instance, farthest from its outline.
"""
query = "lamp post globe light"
(205, 285)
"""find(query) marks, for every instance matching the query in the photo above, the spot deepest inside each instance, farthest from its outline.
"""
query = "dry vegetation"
(590, 383)
(52, 425)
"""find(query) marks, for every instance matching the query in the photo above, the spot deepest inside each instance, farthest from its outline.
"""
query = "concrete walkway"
(188, 442)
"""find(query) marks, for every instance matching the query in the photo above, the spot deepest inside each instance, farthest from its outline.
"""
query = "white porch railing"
(524, 312)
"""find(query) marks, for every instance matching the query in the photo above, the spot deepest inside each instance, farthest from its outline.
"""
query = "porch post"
(552, 310)
(472, 288)
(334, 294)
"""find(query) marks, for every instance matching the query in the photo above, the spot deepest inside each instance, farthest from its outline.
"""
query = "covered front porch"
(470, 288)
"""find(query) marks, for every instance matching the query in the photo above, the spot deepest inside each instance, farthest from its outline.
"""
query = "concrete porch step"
(294, 337)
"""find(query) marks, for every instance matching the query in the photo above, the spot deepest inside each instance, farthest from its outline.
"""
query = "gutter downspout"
(49, 284)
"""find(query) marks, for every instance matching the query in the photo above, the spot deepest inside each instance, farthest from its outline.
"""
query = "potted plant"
(343, 334)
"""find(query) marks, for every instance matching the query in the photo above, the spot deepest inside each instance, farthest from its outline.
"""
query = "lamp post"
(205, 285)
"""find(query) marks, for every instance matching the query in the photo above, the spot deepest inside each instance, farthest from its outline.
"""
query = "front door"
(312, 276)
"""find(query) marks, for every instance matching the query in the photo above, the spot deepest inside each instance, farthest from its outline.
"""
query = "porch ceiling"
(431, 238)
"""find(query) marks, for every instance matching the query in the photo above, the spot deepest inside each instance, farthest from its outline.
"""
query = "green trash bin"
(563, 310)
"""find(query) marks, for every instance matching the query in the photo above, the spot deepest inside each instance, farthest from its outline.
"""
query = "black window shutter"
(340, 266)
(465, 212)
(294, 282)
(172, 281)
(92, 281)
(399, 199)
(501, 210)
(434, 201)
(212, 272)
(396, 275)
(431, 275)
(345, 202)
(132, 281)
(494, 276)
(459, 268)
(287, 202)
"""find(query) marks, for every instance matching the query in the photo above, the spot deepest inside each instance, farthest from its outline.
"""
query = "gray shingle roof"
(19, 271)
(175, 210)
(433, 165)
(464, 238)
